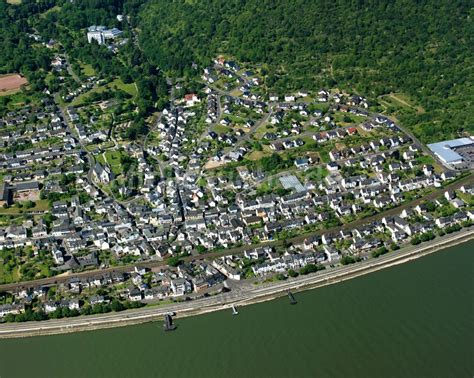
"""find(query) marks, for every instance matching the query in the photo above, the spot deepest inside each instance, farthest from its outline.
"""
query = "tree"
(427, 236)
(310, 268)
(380, 251)
(174, 261)
(425, 77)
(201, 249)
(415, 240)
(292, 273)
(347, 259)
(430, 206)
(29, 204)
(117, 306)
(394, 246)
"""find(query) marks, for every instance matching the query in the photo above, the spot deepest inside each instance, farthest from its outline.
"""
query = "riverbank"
(225, 301)
(393, 323)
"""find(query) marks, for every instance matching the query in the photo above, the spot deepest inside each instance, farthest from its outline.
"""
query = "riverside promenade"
(249, 294)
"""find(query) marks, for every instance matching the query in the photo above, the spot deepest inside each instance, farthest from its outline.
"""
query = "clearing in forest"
(11, 83)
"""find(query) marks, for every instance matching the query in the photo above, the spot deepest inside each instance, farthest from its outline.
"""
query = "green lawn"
(40, 205)
(354, 119)
(257, 155)
(6, 276)
(113, 161)
(235, 119)
(56, 8)
(220, 129)
(88, 70)
(131, 89)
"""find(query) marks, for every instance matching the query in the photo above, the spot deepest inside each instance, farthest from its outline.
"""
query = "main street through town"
(436, 193)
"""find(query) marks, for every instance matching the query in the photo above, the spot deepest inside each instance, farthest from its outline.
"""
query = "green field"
(112, 159)
(257, 155)
(131, 88)
(6, 275)
(400, 101)
(40, 205)
(340, 118)
(220, 129)
(56, 8)
(118, 84)
(235, 119)
(88, 70)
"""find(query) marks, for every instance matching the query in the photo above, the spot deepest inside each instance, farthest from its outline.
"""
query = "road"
(159, 117)
(238, 298)
(70, 129)
(70, 71)
(240, 250)
(91, 161)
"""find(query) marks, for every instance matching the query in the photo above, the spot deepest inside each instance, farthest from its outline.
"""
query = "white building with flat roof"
(97, 36)
(446, 150)
(101, 33)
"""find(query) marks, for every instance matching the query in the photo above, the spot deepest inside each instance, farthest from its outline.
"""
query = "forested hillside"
(420, 50)
(17, 51)
(65, 22)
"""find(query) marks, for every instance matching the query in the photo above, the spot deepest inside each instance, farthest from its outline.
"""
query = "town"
(230, 186)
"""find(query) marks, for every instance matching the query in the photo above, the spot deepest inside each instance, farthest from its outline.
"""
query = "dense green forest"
(421, 49)
(18, 52)
(65, 22)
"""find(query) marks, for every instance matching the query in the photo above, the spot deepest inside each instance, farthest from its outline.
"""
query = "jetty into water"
(168, 325)
(234, 310)
(292, 298)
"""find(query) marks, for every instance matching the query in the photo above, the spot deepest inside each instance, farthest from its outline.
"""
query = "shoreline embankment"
(253, 295)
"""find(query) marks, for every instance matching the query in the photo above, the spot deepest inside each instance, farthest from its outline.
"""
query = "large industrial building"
(456, 153)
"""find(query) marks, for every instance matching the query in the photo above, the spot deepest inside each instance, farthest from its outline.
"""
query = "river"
(411, 320)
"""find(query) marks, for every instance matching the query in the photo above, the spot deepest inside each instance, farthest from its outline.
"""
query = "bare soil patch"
(12, 82)
(212, 164)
